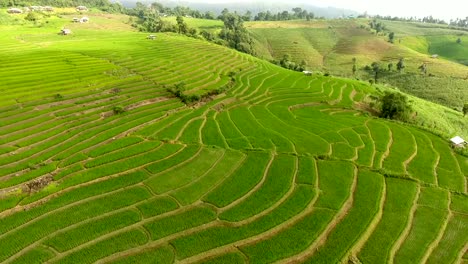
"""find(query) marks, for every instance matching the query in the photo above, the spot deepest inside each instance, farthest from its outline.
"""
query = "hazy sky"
(445, 9)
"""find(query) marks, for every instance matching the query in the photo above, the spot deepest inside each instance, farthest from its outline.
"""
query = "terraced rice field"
(281, 168)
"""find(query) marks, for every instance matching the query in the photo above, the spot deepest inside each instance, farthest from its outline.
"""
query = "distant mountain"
(255, 7)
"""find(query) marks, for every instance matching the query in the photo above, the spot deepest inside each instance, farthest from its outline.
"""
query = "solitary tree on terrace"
(391, 37)
(375, 69)
(181, 25)
(400, 65)
(465, 109)
(354, 65)
(423, 68)
(395, 106)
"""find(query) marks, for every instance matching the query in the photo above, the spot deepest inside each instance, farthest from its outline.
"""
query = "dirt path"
(406, 162)
(436, 164)
(389, 145)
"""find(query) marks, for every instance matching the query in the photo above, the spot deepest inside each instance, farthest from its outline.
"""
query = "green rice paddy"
(280, 168)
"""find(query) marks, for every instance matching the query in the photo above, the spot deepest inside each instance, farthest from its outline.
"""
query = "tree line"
(459, 22)
(233, 34)
(106, 4)
(298, 13)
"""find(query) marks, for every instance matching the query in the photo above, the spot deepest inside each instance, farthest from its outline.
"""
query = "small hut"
(308, 73)
(48, 8)
(458, 142)
(81, 8)
(14, 11)
(151, 37)
(65, 31)
(84, 20)
(36, 8)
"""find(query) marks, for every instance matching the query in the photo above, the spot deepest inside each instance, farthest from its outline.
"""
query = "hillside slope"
(331, 45)
(282, 167)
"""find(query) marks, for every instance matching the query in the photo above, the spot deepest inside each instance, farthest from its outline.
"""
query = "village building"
(48, 8)
(14, 11)
(151, 37)
(84, 20)
(65, 31)
(434, 56)
(81, 8)
(76, 20)
(307, 72)
(458, 142)
(36, 8)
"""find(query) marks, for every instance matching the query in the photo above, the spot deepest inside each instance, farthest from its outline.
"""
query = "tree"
(118, 109)
(391, 37)
(157, 6)
(354, 65)
(390, 66)
(181, 25)
(376, 70)
(235, 34)
(297, 12)
(458, 40)
(400, 65)
(423, 68)
(209, 15)
(465, 109)
(247, 16)
(33, 16)
(395, 106)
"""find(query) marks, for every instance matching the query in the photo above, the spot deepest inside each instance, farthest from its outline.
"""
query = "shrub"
(118, 109)
(395, 106)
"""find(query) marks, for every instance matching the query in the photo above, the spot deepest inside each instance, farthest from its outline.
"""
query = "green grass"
(277, 182)
(447, 47)
(106, 247)
(123, 153)
(262, 169)
(423, 164)
(69, 239)
(459, 203)
(399, 199)
(58, 220)
(240, 182)
(220, 235)
(290, 241)
(37, 254)
(403, 146)
(114, 145)
(183, 175)
(157, 206)
(335, 178)
(228, 258)
(162, 254)
(191, 218)
(307, 171)
(195, 190)
(366, 204)
(452, 241)
(421, 235)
